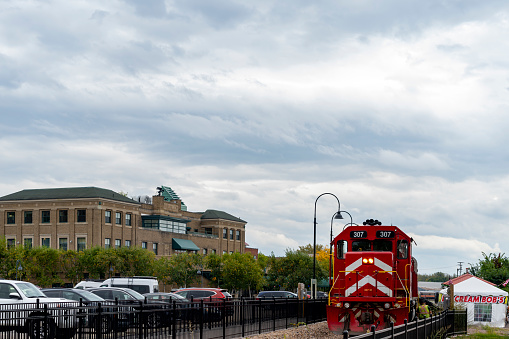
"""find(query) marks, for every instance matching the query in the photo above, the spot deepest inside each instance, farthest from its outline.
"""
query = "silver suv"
(25, 309)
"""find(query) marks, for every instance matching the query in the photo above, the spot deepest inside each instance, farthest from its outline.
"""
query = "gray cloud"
(398, 107)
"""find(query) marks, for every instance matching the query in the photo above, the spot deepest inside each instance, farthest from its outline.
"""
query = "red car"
(198, 293)
(212, 298)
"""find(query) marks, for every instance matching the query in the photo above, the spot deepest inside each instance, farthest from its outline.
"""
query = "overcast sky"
(255, 108)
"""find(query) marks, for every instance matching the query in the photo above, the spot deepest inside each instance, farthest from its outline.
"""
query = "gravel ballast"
(317, 330)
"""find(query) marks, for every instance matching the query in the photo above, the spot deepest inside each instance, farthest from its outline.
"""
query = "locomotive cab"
(373, 279)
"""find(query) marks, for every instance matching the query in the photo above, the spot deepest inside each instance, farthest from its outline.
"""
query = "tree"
(493, 268)
(182, 268)
(308, 249)
(131, 261)
(295, 267)
(99, 262)
(241, 272)
(72, 265)
(41, 265)
(213, 262)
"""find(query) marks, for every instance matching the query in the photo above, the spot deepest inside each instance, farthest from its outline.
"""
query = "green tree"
(493, 268)
(99, 262)
(72, 265)
(295, 267)
(183, 268)
(213, 262)
(241, 272)
(131, 261)
(41, 266)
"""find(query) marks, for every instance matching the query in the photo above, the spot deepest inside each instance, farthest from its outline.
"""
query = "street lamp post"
(337, 215)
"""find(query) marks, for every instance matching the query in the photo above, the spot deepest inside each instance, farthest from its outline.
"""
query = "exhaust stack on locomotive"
(373, 280)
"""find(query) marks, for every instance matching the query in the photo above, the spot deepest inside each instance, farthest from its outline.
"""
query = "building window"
(45, 217)
(482, 312)
(214, 251)
(45, 242)
(81, 215)
(28, 243)
(81, 244)
(107, 243)
(144, 244)
(231, 252)
(62, 244)
(128, 219)
(11, 217)
(224, 252)
(237, 235)
(62, 216)
(11, 243)
(107, 217)
(128, 243)
(117, 243)
(154, 248)
(27, 217)
(205, 251)
(225, 233)
(231, 234)
(118, 218)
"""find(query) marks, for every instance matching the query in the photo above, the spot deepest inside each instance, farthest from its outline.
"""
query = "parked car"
(276, 294)
(89, 283)
(112, 317)
(139, 284)
(198, 293)
(157, 315)
(59, 318)
(184, 307)
(319, 294)
(213, 298)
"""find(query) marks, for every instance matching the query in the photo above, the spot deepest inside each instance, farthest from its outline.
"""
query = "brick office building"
(83, 217)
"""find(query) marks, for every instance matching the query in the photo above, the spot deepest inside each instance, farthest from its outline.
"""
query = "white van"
(89, 283)
(139, 284)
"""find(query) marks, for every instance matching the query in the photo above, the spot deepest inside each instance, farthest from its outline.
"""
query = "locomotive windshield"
(375, 245)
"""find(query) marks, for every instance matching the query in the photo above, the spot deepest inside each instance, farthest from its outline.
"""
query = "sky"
(398, 108)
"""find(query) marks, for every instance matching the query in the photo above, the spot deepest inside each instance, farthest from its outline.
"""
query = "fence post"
(46, 323)
(140, 321)
(287, 312)
(274, 314)
(201, 318)
(223, 316)
(260, 316)
(242, 305)
(345, 334)
(406, 329)
(392, 330)
(373, 331)
(99, 322)
(416, 327)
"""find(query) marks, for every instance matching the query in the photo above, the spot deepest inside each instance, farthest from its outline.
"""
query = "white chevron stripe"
(353, 266)
(368, 280)
(383, 266)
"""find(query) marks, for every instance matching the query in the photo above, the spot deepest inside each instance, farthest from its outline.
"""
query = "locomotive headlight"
(387, 305)
(347, 305)
(367, 260)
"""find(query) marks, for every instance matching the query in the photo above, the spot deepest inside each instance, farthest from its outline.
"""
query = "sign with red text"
(480, 299)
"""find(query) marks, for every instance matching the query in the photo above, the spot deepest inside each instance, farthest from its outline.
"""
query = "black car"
(155, 313)
(111, 320)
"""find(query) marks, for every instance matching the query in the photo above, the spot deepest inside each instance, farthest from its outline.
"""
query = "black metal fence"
(441, 325)
(204, 319)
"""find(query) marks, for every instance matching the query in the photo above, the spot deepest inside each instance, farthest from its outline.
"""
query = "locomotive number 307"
(385, 234)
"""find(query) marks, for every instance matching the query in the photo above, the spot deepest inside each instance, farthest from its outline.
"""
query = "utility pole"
(460, 263)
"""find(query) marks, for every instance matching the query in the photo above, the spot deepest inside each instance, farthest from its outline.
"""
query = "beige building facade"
(84, 217)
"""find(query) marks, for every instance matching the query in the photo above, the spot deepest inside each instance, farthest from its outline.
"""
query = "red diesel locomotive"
(373, 280)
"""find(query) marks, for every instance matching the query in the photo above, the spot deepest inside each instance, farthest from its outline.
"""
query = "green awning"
(183, 244)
